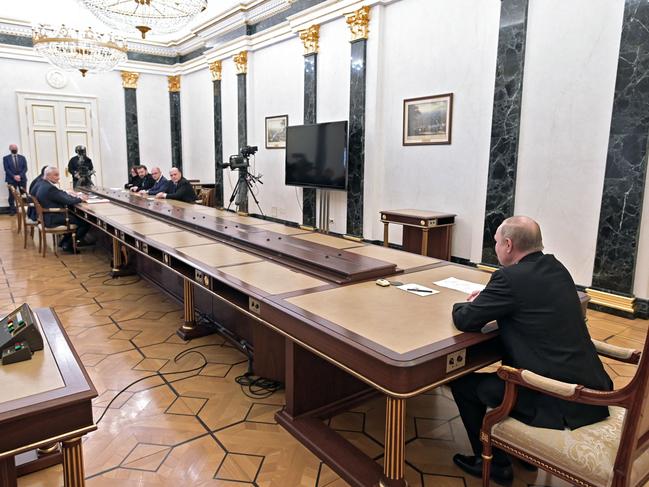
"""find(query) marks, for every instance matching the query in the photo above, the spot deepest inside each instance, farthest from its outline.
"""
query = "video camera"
(240, 160)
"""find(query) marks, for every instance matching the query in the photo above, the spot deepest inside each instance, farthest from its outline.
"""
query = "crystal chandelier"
(160, 16)
(72, 49)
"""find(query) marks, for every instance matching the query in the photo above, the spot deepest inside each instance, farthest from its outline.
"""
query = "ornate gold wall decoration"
(129, 79)
(215, 70)
(174, 83)
(241, 62)
(359, 22)
(310, 39)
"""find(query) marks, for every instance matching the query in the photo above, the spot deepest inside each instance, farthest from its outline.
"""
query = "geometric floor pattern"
(202, 430)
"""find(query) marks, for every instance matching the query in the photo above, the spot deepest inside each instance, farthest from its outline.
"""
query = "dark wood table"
(310, 307)
(424, 232)
(46, 401)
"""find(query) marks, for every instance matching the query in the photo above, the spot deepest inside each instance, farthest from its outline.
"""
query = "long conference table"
(309, 305)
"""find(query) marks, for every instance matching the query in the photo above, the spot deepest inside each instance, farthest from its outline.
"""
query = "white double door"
(52, 126)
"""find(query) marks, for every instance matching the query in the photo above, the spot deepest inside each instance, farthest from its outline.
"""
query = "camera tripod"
(243, 186)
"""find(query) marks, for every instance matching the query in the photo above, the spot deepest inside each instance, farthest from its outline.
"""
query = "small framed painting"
(276, 132)
(427, 120)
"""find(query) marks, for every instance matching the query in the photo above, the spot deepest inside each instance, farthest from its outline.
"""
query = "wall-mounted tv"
(316, 155)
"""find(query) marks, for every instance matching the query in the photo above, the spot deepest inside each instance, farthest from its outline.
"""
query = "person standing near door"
(15, 166)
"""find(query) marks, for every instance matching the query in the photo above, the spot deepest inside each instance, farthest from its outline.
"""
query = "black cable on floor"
(258, 387)
(180, 355)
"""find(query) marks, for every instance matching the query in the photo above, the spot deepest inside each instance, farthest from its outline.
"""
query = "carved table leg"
(385, 234)
(190, 330)
(8, 472)
(424, 241)
(117, 256)
(73, 463)
(394, 460)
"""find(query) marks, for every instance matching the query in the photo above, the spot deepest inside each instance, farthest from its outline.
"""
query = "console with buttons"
(19, 336)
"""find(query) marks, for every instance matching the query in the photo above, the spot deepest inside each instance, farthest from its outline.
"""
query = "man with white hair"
(542, 329)
(50, 196)
(15, 166)
(178, 188)
(159, 185)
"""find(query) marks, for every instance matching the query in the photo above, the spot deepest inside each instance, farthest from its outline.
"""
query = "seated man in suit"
(33, 187)
(50, 196)
(542, 329)
(145, 181)
(15, 166)
(160, 183)
(178, 188)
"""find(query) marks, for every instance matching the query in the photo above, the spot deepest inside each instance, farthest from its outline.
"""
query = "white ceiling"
(73, 14)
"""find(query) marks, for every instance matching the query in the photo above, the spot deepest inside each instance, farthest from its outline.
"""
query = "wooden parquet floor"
(202, 430)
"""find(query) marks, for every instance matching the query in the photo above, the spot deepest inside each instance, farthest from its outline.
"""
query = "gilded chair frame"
(70, 228)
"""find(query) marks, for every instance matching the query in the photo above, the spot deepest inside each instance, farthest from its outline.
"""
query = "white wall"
(197, 125)
(30, 76)
(276, 81)
(333, 98)
(566, 117)
(434, 47)
(154, 126)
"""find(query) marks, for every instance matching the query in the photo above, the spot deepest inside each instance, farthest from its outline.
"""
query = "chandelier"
(160, 16)
(72, 49)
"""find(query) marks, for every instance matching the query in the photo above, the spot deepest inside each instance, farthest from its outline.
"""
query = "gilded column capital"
(129, 79)
(215, 70)
(359, 22)
(174, 83)
(310, 38)
(241, 62)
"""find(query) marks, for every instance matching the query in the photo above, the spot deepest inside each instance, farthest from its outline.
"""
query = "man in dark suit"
(75, 165)
(178, 188)
(160, 183)
(542, 329)
(15, 166)
(50, 196)
(145, 181)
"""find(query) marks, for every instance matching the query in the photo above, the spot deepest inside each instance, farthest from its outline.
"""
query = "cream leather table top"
(284, 229)
(329, 241)
(151, 228)
(35, 376)
(218, 255)
(106, 209)
(247, 220)
(180, 239)
(272, 278)
(395, 319)
(124, 218)
(403, 260)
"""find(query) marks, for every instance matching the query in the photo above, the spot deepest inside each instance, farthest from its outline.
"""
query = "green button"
(18, 347)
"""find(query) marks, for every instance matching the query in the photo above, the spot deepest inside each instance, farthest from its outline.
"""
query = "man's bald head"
(517, 237)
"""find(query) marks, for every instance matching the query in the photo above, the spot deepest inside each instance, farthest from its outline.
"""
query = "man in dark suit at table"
(15, 166)
(542, 329)
(50, 196)
(145, 181)
(160, 183)
(178, 188)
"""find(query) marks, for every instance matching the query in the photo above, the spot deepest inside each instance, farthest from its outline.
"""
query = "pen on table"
(420, 290)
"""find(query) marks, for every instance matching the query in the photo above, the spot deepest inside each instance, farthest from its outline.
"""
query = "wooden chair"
(17, 199)
(613, 452)
(57, 231)
(22, 204)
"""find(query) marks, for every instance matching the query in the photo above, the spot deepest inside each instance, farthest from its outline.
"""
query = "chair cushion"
(29, 221)
(588, 452)
(62, 227)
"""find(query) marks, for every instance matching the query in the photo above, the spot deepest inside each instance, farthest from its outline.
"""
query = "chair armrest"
(562, 390)
(628, 355)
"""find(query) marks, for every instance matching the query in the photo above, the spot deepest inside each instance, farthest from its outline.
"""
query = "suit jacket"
(542, 329)
(182, 191)
(34, 184)
(146, 182)
(49, 196)
(132, 181)
(10, 170)
(160, 186)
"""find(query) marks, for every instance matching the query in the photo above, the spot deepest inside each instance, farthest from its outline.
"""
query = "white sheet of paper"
(98, 200)
(413, 288)
(116, 189)
(460, 285)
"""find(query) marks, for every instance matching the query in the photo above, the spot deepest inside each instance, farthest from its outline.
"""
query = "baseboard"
(4, 210)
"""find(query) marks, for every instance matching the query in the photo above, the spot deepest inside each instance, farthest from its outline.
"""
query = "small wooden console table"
(424, 232)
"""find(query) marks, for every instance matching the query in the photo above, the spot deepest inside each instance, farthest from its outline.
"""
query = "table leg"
(117, 256)
(394, 459)
(73, 463)
(189, 329)
(424, 241)
(8, 472)
(385, 233)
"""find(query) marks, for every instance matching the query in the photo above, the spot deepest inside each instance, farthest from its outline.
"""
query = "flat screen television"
(316, 155)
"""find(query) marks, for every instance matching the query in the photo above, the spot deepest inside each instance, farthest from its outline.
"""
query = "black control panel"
(19, 336)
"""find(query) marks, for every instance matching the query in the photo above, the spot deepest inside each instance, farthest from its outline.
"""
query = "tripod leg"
(235, 191)
(254, 197)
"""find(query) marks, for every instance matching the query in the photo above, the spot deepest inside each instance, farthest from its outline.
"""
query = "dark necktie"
(15, 163)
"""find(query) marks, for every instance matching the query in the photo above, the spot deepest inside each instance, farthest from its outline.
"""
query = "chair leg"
(55, 244)
(74, 242)
(44, 243)
(40, 240)
(18, 219)
(25, 237)
(487, 457)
